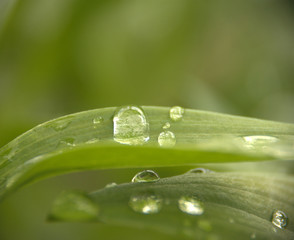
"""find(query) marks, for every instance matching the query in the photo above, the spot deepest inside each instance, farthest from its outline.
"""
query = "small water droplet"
(166, 139)
(130, 126)
(146, 176)
(109, 185)
(253, 142)
(279, 219)
(190, 205)
(176, 113)
(74, 206)
(166, 125)
(92, 141)
(146, 203)
(97, 121)
(67, 142)
(61, 124)
(200, 170)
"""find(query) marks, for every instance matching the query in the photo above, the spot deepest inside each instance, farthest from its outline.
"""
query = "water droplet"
(254, 142)
(61, 124)
(190, 205)
(146, 203)
(279, 219)
(97, 121)
(176, 113)
(67, 142)
(166, 139)
(146, 176)
(92, 141)
(109, 185)
(130, 126)
(200, 170)
(166, 125)
(74, 206)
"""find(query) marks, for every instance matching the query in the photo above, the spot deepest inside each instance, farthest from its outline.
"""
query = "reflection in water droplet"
(176, 113)
(166, 139)
(146, 176)
(109, 185)
(146, 203)
(200, 170)
(97, 121)
(279, 219)
(190, 205)
(130, 126)
(74, 206)
(166, 125)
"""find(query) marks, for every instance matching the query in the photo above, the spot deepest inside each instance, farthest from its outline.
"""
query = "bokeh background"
(60, 57)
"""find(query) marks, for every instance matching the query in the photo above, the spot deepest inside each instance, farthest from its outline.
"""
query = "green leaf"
(85, 141)
(206, 205)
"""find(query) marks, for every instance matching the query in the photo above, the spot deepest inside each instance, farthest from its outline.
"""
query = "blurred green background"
(59, 57)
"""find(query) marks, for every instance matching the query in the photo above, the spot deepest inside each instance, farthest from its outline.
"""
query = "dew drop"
(92, 141)
(61, 124)
(166, 125)
(254, 142)
(67, 142)
(130, 126)
(190, 205)
(97, 121)
(200, 170)
(146, 176)
(110, 185)
(176, 113)
(146, 203)
(166, 139)
(74, 206)
(279, 219)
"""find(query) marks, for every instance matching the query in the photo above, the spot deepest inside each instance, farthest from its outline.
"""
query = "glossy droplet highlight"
(176, 113)
(67, 142)
(279, 219)
(74, 206)
(190, 205)
(146, 176)
(61, 124)
(146, 203)
(166, 139)
(256, 141)
(130, 126)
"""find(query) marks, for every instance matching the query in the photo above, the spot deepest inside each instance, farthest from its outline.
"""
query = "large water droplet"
(130, 126)
(190, 205)
(74, 206)
(97, 121)
(279, 219)
(146, 176)
(146, 203)
(166, 139)
(176, 113)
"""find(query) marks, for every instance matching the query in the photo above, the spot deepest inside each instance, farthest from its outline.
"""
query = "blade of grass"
(84, 141)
